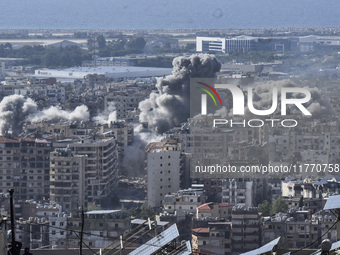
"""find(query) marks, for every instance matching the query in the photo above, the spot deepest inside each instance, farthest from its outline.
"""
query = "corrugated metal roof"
(102, 211)
(264, 249)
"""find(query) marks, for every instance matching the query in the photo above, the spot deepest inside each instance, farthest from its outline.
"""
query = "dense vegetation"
(120, 47)
(46, 56)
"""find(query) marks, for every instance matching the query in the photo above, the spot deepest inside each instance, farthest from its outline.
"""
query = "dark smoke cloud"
(170, 106)
(14, 111)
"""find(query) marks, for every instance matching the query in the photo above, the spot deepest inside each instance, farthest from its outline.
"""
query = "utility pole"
(81, 232)
(11, 191)
(16, 246)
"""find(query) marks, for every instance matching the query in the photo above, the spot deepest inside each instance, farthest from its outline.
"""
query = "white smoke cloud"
(107, 117)
(80, 113)
(15, 110)
(134, 155)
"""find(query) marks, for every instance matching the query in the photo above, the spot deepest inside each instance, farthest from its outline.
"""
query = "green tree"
(265, 208)
(90, 44)
(279, 205)
(93, 207)
(136, 44)
(147, 212)
(142, 212)
(101, 42)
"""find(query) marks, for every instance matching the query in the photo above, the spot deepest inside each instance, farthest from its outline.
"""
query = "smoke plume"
(14, 111)
(170, 106)
(134, 155)
(107, 117)
(80, 113)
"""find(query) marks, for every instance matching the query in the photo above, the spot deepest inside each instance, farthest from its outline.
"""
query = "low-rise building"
(214, 210)
(214, 239)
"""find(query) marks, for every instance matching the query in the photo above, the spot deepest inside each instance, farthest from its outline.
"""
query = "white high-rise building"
(165, 165)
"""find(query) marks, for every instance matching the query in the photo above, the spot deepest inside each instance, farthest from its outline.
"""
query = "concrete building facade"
(67, 180)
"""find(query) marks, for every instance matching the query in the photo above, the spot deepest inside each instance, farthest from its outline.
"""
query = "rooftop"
(201, 230)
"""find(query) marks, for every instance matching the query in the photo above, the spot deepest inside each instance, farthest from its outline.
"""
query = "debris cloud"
(169, 106)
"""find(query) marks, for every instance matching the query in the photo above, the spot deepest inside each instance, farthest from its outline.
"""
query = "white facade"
(238, 192)
(163, 170)
(204, 44)
(221, 44)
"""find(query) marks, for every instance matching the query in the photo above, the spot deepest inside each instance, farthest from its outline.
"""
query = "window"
(116, 225)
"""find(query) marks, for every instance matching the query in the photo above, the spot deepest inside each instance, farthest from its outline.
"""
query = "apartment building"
(214, 210)
(67, 179)
(25, 166)
(244, 191)
(101, 171)
(246, 230)
(165, 167)
(183, 202)
(124, 104)
(295, 228)
(101, 227)
(123, 134)
(214, 239)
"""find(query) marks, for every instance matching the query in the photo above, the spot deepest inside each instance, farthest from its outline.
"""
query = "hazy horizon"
(166, 14)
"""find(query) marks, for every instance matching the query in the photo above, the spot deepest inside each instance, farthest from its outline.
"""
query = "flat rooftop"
(108, 71)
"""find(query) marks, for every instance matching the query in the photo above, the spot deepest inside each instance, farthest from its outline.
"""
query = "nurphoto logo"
(281, 97)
